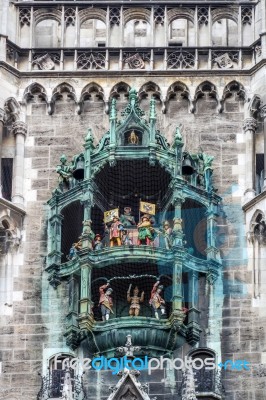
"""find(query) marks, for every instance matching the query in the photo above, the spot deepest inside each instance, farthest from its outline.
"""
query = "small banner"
(109, 215)
(147, 208)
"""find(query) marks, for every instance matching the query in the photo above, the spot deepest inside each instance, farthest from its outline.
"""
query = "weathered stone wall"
(34, 329)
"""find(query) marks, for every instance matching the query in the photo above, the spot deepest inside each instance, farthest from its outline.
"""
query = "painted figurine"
(156, 300)
(133, 138)
(115, 232)
(126, 241)
(73, 250)
(145, 231)
(127, 219)
(106, 301)
(167, 233)
(97, 243)
(134, 301)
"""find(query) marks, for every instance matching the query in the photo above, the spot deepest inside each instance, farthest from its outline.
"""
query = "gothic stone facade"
(61, 64)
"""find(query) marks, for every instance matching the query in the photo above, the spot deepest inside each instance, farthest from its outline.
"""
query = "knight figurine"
(167, 233)
(116, 229)
(156, 300)
(145, 231)
(106, 301)
(134, 301)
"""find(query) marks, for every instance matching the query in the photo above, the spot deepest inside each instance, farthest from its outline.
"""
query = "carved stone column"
(85, 290)
(249, 127)
(193, 312)
(2, 121)
(19, 129)
(72, 331)
(263, 115)
(212, 251)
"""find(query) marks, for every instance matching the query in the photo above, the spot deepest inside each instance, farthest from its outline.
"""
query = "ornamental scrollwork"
(114, 16)
(246, 15)
(24, 16)
(180, 60)
(159, 15)
(46, 61)
(203, 16)
(136, 61)
(93, 60)
(225, 60)
(70, 16)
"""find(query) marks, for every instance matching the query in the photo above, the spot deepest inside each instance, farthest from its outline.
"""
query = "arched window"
(137, 33)
(224, 33)
(93, 33)
(181, 32)
(48, 33)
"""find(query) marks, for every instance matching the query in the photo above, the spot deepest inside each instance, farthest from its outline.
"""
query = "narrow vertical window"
(6, 177)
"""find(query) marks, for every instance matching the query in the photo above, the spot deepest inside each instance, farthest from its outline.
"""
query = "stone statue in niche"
(134, 301)
(156, 300)
(133, 138)
(106, 301)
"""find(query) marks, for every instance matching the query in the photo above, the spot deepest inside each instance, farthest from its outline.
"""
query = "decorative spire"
(113, 112)
(152, 109)
(133, 97)
(89, 139)
(178, 137)
(133, 105)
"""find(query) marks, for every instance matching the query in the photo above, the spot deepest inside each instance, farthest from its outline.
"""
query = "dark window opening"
(6, 177)
(259, 173)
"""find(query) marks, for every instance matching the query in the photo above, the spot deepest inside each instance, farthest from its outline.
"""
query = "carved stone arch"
(149, 87)
(257, 217)
(254, 106)
(208, 90)
(118, 88)
(90, 92)
(177, 13)
(12, 110)
(92, 13)
(137, 13)
(43, 13)
(148, 90)
(233, 89)
(35, 89)
(228, 13)
(178, 89)
(58, 94)
(120, 92)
